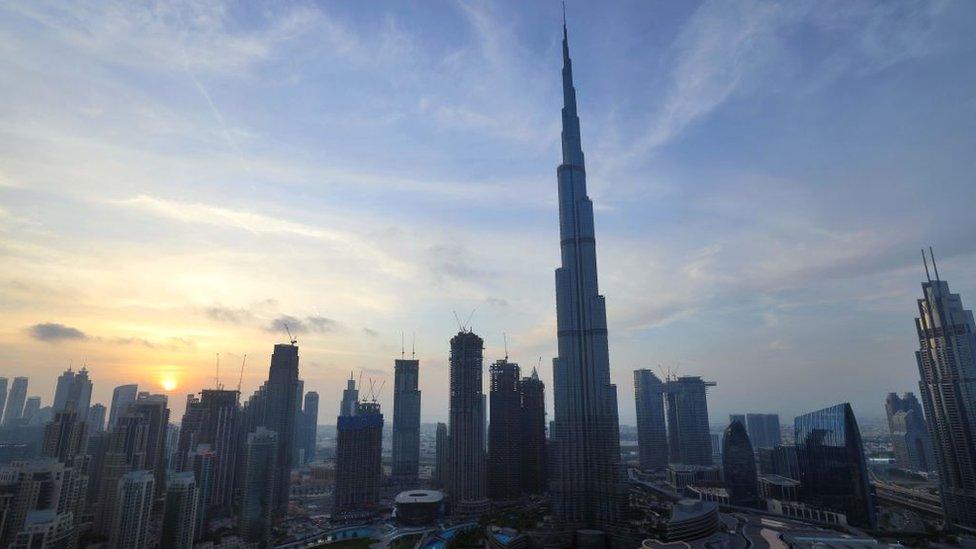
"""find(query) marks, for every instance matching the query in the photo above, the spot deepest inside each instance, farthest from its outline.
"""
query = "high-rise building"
(123, 451)
(133, 514)
(261, 451)
(587, 485)
(31, 406)
(3, 397)
(66, 437)
(219, 428)
(763, 429)
(153, 411)
(62, 388)
(947, 367)
(442, 451)
(350, 398)
(833, 471)
(79, 395)
(35, 485)
(504, 431)
(739, 466)
(909, 434)
(15, 401)
(406, 419)
(180, 512)
(121, 397)
(535, 461)
(652, 435)
(310, 418)
(96, 417)
(201, 462)
(689, 441)
(359, 467)
(779, 460)
(741, 418)
(46, 529)
(283, 404)
(467, 467)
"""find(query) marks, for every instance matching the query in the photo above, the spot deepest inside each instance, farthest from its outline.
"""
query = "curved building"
(739, 466)
(418, 507)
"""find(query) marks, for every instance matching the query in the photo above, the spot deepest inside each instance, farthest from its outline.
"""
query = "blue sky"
(179, 179)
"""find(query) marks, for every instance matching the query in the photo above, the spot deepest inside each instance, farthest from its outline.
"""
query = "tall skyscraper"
(124, 451)
(3, 397)
(133, 514)
(763, 429)
(15, 401)
(96, 417)
(283, 403)
(153, 411)
(66, 437)
(909, 434)
(79, 395)
(652, 435)
(947, 368)
(535, 461)
(587, 485)
(833, 471)
(31, 406)
(689, 440)
(467, 485)
(406, 419)
(121, 397)
(739, 466)
(350, 398)
(359, 469)
(201, 462)
(310, 418)
(442, 451)
(180, 512)
(34, 485)
(219, 429)
(504, 432)
(261, 451)
(62, 388)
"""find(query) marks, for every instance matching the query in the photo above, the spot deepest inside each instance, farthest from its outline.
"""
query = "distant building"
(505, 432)
(947, 367)
(739, 466)
(406, 419)
(442, 451)
(201, 461)
(121, 397)
(679, 476)
(359, 469)
(833, 471)
(31, 407)
(418, 507)
(689, 441)
(180, 512)
(350, 398)
(62, 388)
(779, 460)
(652, 435)
(534, 460)
(467, 486)
(261, 451)
(15, 401)
(35, 485)
(310, 419)
(283, 403)
(66, 437)
(778, 487)
(3, 397)
(96, 417)
(46, 529)
(764, 430)
(133, 514)
(153, 410)
(741, 418)
(909, 433)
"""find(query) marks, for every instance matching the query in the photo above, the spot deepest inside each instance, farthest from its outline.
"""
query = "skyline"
(296, 212)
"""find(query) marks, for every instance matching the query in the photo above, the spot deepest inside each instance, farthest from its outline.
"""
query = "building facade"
(468, 471)
(652, 435)
(133, 514)
(359, 468)
(283, 401)
(406, 419)
(260, 453)
(180, 512)
(441, 452)
(15, 401)
(504, 431)
(534, 460)
(689, 440)
(739, 466)
(310, 419)
(121, 397)
(764, 430)
(909, 433)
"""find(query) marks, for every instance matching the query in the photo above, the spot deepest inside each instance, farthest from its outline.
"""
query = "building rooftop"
(420, 496)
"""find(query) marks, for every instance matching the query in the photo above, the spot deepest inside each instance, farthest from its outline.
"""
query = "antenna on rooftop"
(925, 262)
(934, 266)
(402, 352)
(505, 339)
(413, 346)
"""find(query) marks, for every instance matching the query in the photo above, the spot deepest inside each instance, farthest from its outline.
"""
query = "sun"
(168, 383)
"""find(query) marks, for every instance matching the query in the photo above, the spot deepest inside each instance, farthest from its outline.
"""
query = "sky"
(182, 179)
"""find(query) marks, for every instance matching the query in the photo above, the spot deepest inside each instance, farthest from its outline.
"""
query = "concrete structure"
(261, 451)
(15, 401)
(739, 466)
(310, 425)
(96, 417)
(180, 512)
(359, 468)
(777, 487)
(504, 432)
(406, 419)
(947, 369)
(909, 433)
(350, 398)
(283, 402)
(689, 441)
(652, 435)
(467, 486)
(121, 397)
(418, 507)
(534, 460)
(679, 475)
(133, 513)
(587, 486)
(764, 430)
(442, 452)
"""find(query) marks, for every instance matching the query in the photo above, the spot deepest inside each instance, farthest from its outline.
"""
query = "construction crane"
(291, 339)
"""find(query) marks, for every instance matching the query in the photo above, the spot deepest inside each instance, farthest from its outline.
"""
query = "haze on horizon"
(182, 180)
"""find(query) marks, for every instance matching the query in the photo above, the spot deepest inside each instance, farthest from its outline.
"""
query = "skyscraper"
(739, 466)
(79, 394)
(135, 495)
(31, 406)
(504, 432)
(359, 469)
(121, 397)
(310, 419)
(763, 430)
(35, 485)
(833, 471)
(406, 419)
(260, 453)
(587, 485)
(535, 463)
(219, 429)
(282, 411)
(62, 388)
(467, 484)
(15, 401)
(3, 397)
(909, 434)
(180, 511)
(153, 411)
(96, 417)
(201, 462)
(442, 451)
(66, 437)
(947, 368)
(350, 398)
(689, 440)
(652, 435)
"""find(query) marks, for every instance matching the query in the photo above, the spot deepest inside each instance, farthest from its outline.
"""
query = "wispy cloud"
(52, 332)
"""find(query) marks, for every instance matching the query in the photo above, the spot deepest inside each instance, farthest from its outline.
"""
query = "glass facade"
(833, 472)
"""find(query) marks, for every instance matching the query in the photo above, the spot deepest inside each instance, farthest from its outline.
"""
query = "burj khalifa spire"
(587, 488)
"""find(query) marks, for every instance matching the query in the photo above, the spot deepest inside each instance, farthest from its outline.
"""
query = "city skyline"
(170, 248)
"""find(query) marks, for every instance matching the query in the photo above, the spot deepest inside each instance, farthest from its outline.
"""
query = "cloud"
(309, 324)
(371, 332)
(226, 314)
(53, 332)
